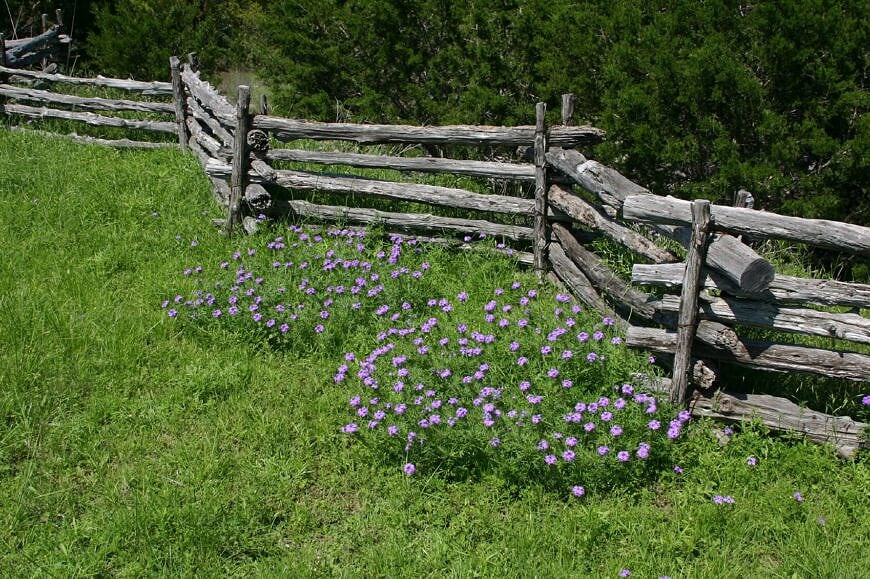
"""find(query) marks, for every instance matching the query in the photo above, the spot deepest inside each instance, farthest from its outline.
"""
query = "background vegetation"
(698, 98)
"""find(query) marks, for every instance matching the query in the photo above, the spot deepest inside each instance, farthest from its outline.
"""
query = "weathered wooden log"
(608, 184)
(201, 115)
(25, 45)
(688, 304)
(204, 158)
(90, 118)
(591, 217)
(576, 281)
(818, 232)
(220, 187)
(428, 194)
(30, 58)
(783, 289)
(209, 143)
(258, 141)
(211, 100)
(781, 414)
(241, 159)
(115, 143)
(523, 257)
(486, 169)
(17, 42)
(406, 222)
(290, 130)
(178, 99)
(733, 259)
(627, 301)
(86, 103)
(542, 235)
(221, 191)
(257, 198)
(851, 327)
(146, 88)
(263, 170)
(717, 341)
(633, 302)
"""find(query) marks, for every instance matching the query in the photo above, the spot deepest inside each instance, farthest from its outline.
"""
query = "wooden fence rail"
(562, 199)
(138, 113)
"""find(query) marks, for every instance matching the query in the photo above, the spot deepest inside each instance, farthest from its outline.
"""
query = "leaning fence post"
(540, 226)
(688, 317)
(241, 161)
(193, 61)
(178, 96)
(568, 100)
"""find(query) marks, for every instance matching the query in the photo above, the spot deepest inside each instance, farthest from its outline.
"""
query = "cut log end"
(757, 276)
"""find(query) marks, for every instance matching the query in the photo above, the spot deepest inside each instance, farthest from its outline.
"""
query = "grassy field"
(143, 439)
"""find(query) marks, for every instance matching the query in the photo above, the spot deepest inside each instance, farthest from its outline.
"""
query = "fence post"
(178, 97)
(688, 317)
(2, 50)
(568, 100)
(744, 199)
(241, 162)
(540, 227)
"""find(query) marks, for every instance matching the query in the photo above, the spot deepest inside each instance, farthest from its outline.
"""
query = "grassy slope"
(131, 447)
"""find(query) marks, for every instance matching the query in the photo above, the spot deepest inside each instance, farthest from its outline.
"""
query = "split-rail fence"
(724, 284)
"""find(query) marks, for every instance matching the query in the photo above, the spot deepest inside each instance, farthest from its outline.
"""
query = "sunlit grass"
(135, 444)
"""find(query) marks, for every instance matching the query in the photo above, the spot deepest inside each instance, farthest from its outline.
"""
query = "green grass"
(136, 445)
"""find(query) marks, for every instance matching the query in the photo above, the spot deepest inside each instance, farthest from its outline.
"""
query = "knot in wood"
(258, 141)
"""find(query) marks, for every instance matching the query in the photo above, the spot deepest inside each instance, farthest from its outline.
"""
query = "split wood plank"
(178, 99)
(739, 221)
(91, 118)
(238, 178)
(606, 281)
(782, 414)
(590, 216)
(291, 129)
(576, 281)
(722, 343)
(146, 88)
(542, 237)
(86, 140)
(688, 309)
(844, 326)
(210, 98)
(428, 194)
(407, 222)
(486, 169)
(86, 103)
(216, 129)
(783, 289)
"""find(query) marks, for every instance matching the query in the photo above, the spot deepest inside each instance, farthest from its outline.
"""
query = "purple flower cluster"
(278, 293)
(444, 370)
